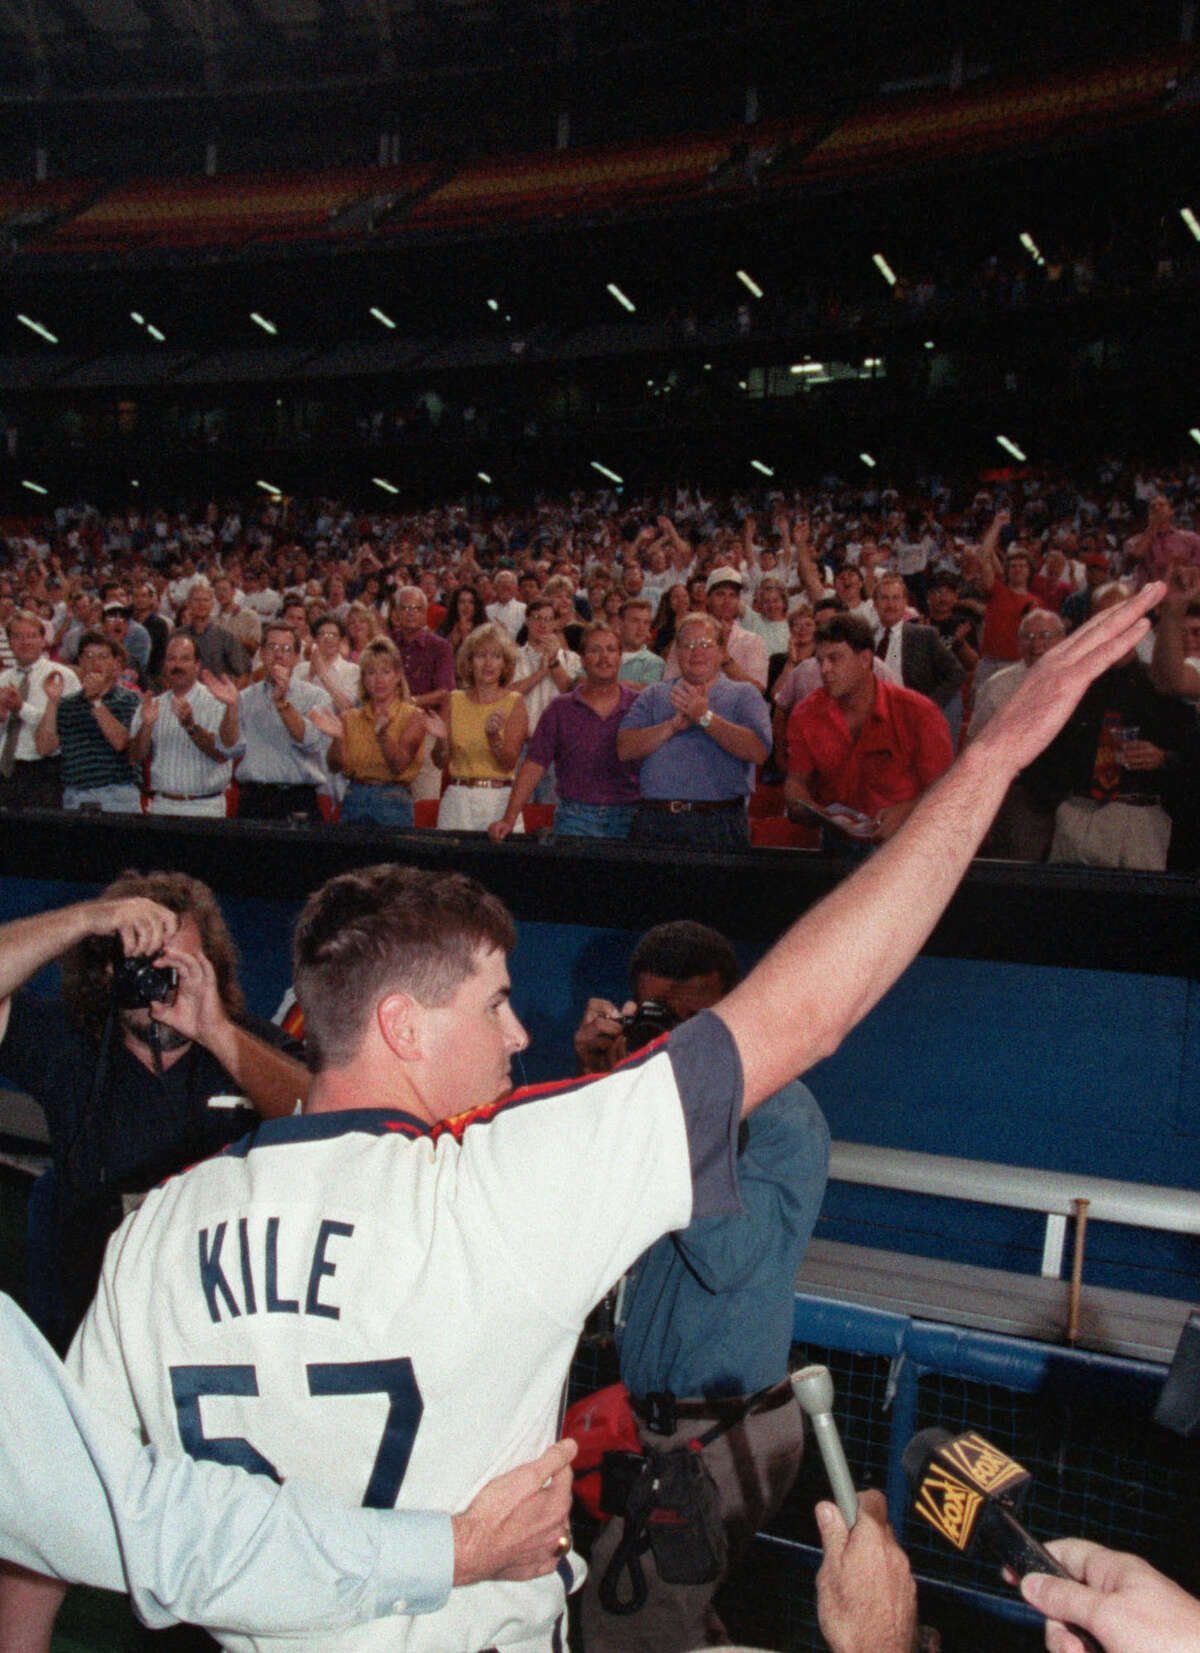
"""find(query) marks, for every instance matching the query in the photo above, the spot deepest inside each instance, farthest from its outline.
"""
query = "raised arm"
(990, 567)
(29, 943)
(838, 961)
(1169, 666)
(806, 566)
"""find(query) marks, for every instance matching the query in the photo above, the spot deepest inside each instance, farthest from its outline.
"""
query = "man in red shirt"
(871, 746)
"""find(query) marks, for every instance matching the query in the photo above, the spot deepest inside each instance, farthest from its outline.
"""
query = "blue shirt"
(84, 1500)
(270, 753)
(707, 1311)
(691, 764)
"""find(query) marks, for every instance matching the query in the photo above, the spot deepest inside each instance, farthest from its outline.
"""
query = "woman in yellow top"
(483, 732)
(379, 746)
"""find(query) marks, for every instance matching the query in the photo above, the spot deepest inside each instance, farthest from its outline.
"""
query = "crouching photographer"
(145, 1063)
(703, 1325)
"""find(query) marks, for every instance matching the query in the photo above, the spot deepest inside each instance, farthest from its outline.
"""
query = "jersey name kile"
(251, 1264)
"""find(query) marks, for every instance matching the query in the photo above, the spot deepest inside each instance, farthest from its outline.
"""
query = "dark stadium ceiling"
(54, 50)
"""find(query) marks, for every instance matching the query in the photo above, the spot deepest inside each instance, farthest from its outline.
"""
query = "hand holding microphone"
(813, 1389)
(966, 1489)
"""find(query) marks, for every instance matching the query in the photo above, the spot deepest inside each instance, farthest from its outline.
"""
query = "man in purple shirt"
(428, 662)
(427, 658)
(577, 733)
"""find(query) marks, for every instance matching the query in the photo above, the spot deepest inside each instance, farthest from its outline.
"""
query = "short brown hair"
(100, 640)
(596, 628)
(850, 629)
(387, 929)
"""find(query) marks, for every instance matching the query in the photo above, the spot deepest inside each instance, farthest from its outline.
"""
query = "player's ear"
(398, 1017)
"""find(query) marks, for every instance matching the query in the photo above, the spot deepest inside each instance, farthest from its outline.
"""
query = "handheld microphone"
(813, 1388)
(967, 1489)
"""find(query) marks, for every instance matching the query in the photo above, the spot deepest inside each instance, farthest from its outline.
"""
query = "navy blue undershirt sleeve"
(708, 1073)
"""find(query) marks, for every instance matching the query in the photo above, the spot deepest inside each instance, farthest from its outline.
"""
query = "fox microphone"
(967, 1490)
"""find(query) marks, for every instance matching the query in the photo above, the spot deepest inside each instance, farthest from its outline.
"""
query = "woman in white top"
(328, 667)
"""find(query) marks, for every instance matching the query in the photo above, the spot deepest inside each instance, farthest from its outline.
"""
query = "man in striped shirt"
(91, 729)
(187, 734)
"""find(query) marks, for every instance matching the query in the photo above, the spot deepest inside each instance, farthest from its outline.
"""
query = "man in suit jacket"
(918, 654)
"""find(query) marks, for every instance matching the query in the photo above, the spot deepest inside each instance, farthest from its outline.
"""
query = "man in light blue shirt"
(82, 1500)
(697, 740)
(283, 751)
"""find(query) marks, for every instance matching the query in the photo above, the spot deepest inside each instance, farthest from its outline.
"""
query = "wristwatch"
(705, 719)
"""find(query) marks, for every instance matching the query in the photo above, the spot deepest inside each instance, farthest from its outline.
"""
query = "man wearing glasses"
(697, 740)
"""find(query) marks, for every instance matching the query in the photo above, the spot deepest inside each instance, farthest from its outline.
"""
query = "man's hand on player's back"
(513, 1527)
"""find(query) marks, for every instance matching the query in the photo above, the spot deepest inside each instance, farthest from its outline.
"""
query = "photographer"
(137, 1078)
(704, 1317)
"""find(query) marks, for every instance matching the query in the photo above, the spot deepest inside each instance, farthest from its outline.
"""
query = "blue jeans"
(382, 805)
(592, 820)
(113, 799)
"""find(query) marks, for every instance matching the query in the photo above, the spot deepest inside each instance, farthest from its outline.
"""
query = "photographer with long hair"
(144, 1064)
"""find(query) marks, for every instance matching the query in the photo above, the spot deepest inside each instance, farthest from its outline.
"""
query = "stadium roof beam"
(260, 25)
(76, 25)
(156, 12)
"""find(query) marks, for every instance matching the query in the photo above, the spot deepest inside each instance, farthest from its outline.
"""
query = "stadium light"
(604, 471)
(884, 268)
(35, 487)
(261, 321)
(37, 327)
(383, 319)
(1190, 219)
(1031, 247)
(758, 465)
(749, 283)
(622, 299)
(138, 317)
(1194, 433)
(270, 488)
(1011, 447)
(929, 344)
(382, 482)
(483, 477)
(154, 333)
(867, 460)
(493, 304)
(807, 367)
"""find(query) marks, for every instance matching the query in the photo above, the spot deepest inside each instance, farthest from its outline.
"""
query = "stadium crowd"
(645, 669)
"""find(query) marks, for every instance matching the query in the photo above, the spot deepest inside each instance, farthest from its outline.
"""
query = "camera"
(138, 983)
(649, 1021)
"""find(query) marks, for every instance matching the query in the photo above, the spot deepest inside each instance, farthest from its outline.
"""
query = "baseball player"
(387, 1297)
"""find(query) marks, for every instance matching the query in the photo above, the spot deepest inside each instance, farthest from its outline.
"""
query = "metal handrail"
(1054, 1193)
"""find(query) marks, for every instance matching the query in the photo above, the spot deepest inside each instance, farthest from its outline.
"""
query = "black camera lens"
(649, 1021)
(138, 983)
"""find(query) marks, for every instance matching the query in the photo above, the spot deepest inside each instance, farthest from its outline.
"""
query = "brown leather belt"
(482, 780)
(691, 806)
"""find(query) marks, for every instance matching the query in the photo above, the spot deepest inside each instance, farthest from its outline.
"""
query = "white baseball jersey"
(350, 1297)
